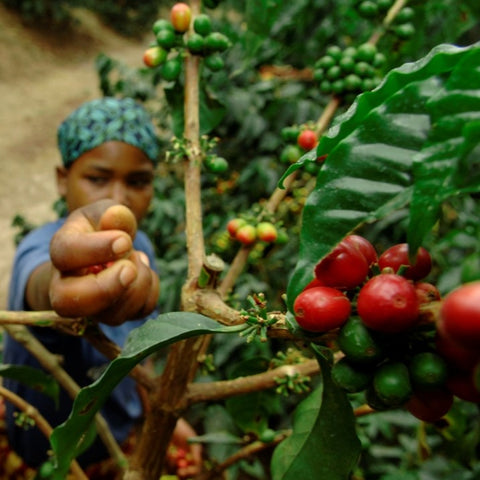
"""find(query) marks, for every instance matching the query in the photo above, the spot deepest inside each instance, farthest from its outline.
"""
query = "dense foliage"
(419, 195)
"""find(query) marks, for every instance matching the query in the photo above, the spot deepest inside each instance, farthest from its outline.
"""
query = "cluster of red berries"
(248, 233)
(393, 348)
(174, 36)
(179, 458)
(96, 269)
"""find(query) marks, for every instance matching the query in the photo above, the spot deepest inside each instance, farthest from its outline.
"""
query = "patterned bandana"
(105, 119)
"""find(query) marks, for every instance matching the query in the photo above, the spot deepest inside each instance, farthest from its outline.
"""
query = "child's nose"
(119, 193)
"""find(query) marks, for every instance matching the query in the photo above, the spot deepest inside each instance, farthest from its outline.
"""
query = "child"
(109, 150)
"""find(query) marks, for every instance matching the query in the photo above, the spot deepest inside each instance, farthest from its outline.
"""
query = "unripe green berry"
(363, 69)
(333, 73)
(325, 62)
(368, 9)
(202, 24)
(366, 52)
(195, 43)
(347, 64)
(162, 24)
(338, 86)
(318, 74)
(326, 86)
(334, 51)
(214, 62)
(405, 15)
(379, 60)
(352, 82)
(384, 5)
(404, 31)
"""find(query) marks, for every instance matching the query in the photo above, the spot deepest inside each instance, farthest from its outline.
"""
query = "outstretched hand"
(95, 270)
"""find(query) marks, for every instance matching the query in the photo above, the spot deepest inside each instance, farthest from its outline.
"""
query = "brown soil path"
(43, 76)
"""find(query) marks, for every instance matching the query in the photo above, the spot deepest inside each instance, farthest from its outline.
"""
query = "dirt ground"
(43, 76)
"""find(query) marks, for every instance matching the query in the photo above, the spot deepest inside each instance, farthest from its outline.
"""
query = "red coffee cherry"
(154, 56)
(454, 353)
(246, 234)
(307, 139)
(180, 16)
(234, 224)
(426, 292)
(398, 255)
(430, 406)
(364, 246)
(462, 385)
(320, 309)
(388, 303)
(460, 315)
(344, 268)
(267, 232)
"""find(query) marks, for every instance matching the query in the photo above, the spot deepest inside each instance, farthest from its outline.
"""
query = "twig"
(40, 422)
(51, 363)
(241, 258)
(236, 268)
(193, 203)
(166, 398)
(211, 391)
(245, 452)
(363, 410)
(43, 319)
(389, 17)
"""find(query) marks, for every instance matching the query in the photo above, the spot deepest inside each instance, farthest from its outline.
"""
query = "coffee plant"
(316, 225)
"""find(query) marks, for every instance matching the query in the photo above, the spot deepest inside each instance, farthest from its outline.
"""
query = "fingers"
(71, 250)
(139, 299)
(186, 458)
(194, 466)
(86, 295)
(98, 233)
(119, 217)
(125, 290)
(93, 237)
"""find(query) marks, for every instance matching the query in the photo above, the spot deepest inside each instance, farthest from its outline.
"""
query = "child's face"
(114, 170)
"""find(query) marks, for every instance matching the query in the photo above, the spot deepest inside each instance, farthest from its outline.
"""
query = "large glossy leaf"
(70, 437)
(324, 443)
(368, 172)
(449, 163)
(33, 378)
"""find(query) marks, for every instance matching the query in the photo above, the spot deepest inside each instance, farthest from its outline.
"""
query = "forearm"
(36, 294)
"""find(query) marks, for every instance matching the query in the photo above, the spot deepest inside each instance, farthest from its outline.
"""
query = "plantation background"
(48, 67)
(43, 75)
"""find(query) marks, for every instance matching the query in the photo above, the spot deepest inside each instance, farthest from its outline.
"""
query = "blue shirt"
(80, 359)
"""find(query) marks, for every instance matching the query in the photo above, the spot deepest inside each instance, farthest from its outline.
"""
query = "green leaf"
(324, 443)
(69, 438)
(211, 111)
(33, 378)
(369, 169)
(448, 165)
(440, 60)
(222, 438)
(251, 411)
(366, 176)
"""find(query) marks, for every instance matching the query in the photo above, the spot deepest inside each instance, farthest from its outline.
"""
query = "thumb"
(119, 217)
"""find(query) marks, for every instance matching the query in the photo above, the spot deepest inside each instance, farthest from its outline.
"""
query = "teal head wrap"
(105, 119)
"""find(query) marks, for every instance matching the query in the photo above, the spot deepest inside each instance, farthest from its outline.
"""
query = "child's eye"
(97, 180)
(140, 181)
